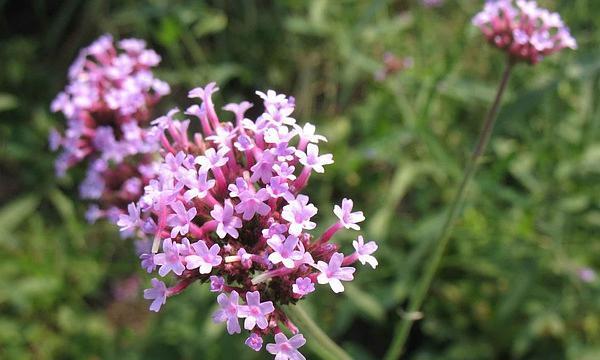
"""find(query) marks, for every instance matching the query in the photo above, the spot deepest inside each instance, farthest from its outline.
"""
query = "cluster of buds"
(526, 32)
(391, 65)
(107, 102)
(226, 209)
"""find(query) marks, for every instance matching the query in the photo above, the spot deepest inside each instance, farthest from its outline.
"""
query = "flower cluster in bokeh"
(524, 30)
(107, 103)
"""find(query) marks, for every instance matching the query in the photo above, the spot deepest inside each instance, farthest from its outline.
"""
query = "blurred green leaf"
(214, 23)
(365, 303)
(7, 102)
(12, 214)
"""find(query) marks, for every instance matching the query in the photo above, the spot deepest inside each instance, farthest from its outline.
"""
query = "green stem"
(315, 333)
(418, 296)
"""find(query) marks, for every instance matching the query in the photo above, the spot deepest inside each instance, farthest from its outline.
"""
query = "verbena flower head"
(107, 102)
(525, 31)
(586, 274)
(227, 207)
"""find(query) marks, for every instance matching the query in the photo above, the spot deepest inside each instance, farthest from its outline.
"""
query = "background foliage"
(509, 286)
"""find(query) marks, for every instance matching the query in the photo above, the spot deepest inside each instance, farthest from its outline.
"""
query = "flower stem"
(314, 331)
(403, 327)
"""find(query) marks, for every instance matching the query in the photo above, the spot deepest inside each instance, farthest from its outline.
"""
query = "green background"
(508, 287)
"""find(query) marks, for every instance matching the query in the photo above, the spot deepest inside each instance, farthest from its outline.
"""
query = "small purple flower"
(130, 221)
(132, 45)
(105, 142)
(254, 341)
(158, 293)
(278, 136)
(520, 36)
(364, 251)
(285, 171)
(245, 258)
(274, 229)
(255, 312)
(307, 133)
(298, 213)
(222, 137)
(163, 122)
(348, 218)
(238, 109)
(263, 169)
(279, 114)
(284, 152)
(169, 260)
(228, 312)
(284, 251)
(227, 222)
(244, 143)
(149, 226)
(55, 139)
(285, 349)
(205, 258)
(94, 213)
(185, 248)
(587, 274)
(216, 283)
(174, 162)
(240, 186)
(212, 159)
(92, 186)
(180, 221)
(303, 286)
(198, 185)
(312, 159)
(133, 186)
(112, 214)
(148, 262)
(204, 93)
(149, 58)
(333, 272)
(271, 98)
(62, 102)
(278, 187)
(252, 203)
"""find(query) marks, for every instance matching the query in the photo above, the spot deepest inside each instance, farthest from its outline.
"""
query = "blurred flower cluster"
(108, 101)
(526, 32)
(432, 3)
(227, 207)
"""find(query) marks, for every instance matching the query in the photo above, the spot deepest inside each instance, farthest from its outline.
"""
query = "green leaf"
(366, 303)
(66, 209)
(214, 23)
(16, 212)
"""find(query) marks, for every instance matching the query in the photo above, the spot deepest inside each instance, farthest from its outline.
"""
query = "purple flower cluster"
(227, 208)
(525, 31)
(107, 102)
